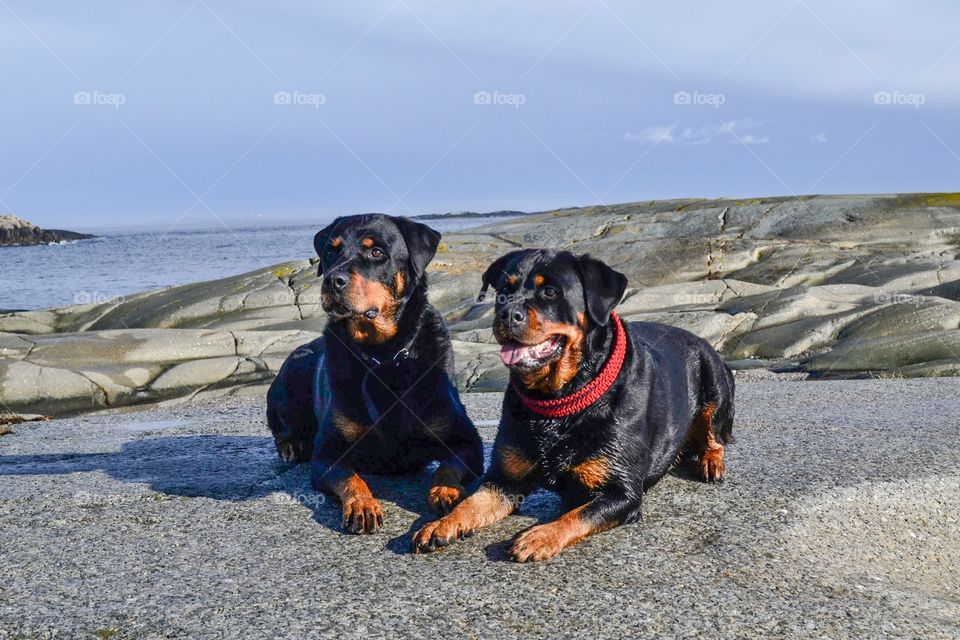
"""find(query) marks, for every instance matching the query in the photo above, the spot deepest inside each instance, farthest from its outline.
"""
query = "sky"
(199, 113)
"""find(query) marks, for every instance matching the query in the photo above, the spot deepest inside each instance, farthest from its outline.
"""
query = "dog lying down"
(596, 410)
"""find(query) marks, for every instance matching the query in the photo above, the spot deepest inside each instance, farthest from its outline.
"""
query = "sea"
(114, 265)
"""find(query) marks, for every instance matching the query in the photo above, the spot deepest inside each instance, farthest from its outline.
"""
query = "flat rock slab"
(839, 519)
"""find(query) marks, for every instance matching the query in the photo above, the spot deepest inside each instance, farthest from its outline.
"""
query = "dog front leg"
(490, 503)
(462, 465)
(604, 512)
(362, 512)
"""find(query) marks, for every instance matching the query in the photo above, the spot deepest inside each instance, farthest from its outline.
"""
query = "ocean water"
(113, 265)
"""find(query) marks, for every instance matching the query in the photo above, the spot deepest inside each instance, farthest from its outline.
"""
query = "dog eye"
(550, 292)
(377, 253)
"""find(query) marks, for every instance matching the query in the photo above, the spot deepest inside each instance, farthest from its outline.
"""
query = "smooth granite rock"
(827, 286)
(74, 372)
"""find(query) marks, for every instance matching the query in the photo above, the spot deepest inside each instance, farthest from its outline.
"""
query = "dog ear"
(422, 243)
(603, 288)
(320, 241)
(495, 271)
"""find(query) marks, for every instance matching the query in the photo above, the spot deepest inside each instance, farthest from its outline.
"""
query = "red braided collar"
(593, 390)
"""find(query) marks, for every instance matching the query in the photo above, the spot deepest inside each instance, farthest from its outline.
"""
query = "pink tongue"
(511, 354)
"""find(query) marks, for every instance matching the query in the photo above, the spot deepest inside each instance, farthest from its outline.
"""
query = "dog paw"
(438, 534)
(712, 467)
(443, 499)
(535, 544)
(292, 451)
(362, 515)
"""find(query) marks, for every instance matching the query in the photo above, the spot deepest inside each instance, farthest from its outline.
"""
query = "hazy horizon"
(267, 221)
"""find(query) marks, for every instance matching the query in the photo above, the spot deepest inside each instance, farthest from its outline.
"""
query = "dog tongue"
(512, 353)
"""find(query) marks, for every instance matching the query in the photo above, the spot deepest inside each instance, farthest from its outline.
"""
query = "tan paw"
(440, 533)
(362, 514)
(541, 542)
(712, 467)
(443, 499)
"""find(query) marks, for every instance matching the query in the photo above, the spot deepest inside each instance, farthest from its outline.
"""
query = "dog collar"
(373, 363)
(593, 390)
(397, 358)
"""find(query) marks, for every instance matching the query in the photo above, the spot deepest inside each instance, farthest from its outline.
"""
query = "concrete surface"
(839, 519)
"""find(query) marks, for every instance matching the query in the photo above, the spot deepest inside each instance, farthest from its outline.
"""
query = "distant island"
(17, 232)
(470, 214)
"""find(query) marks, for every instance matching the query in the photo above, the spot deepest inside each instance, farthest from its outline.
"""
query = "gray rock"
(73, 372)
(822, 285)
(16, 231)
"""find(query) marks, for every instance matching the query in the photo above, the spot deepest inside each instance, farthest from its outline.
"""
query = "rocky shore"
(819, 287)
(16, 232)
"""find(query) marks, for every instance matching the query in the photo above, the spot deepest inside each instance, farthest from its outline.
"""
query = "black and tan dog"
(596, 410)
(375, 394)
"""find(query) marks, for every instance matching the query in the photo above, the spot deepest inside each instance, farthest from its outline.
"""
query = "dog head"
(546, 304)
(370, 264)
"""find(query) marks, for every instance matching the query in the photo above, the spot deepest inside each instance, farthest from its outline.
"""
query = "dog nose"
(339, 281)
(512, 316)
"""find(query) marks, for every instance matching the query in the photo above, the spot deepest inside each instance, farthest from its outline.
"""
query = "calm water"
(115, 265)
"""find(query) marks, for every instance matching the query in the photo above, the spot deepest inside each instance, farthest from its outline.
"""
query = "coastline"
(17, 232)
(814, 288)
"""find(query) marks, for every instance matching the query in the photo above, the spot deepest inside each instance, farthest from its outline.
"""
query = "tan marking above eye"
(367, 242)
(512, 280)
(539, 280)
(336, 242)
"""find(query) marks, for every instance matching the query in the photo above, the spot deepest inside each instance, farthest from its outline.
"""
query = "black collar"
(398, 356)
(373, 362)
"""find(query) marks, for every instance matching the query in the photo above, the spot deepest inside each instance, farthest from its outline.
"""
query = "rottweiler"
(375, 394)
(596, 410)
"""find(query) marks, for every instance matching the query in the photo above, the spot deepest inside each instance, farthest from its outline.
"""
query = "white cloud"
(750, 139)
(819, 138)
(701, 134)
(651, 135)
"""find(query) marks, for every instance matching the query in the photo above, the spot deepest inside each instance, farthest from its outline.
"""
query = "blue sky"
(206, 113)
